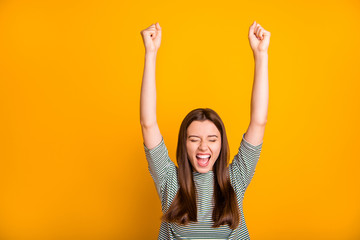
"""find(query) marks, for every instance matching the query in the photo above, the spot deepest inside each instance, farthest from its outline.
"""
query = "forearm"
(260, 91)
(148, 92)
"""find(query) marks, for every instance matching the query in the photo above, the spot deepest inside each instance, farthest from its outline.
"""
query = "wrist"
(150, 53)
(261, 55)
(150, 57)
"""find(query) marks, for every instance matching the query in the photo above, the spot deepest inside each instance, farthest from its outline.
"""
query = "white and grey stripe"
(164, 174)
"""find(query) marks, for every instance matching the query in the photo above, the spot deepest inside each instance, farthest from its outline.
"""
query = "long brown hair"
(183, 208)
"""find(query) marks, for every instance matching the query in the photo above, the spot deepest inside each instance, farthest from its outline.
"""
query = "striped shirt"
(164, 173)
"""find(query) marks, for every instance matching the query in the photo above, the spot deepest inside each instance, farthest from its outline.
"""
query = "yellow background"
(72, 164)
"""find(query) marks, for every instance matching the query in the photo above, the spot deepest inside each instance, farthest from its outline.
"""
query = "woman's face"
(203, 145)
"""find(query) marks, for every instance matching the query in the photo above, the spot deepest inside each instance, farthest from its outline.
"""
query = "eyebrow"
(199, 137)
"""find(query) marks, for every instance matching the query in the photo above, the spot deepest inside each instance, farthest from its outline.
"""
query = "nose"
(202, 146)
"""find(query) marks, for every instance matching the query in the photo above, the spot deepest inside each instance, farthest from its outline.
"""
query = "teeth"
(203, 156)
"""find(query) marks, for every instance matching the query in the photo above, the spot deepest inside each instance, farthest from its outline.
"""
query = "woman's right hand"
(152, 38)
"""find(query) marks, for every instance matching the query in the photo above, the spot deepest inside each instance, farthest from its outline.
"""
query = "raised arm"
(150, 130)
(259, 40)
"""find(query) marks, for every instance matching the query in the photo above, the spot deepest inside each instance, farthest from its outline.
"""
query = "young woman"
(202, 198)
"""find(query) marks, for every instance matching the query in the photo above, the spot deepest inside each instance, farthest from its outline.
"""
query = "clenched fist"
(152, 38)
(259, 38)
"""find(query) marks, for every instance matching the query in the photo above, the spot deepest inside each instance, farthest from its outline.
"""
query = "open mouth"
(203, 159)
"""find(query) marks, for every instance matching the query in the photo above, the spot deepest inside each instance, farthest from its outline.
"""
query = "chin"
(203, 170)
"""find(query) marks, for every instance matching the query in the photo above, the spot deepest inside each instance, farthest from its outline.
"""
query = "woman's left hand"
(259, 38)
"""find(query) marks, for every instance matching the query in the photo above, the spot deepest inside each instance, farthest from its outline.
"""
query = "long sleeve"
(242, 168)
(162, 170)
